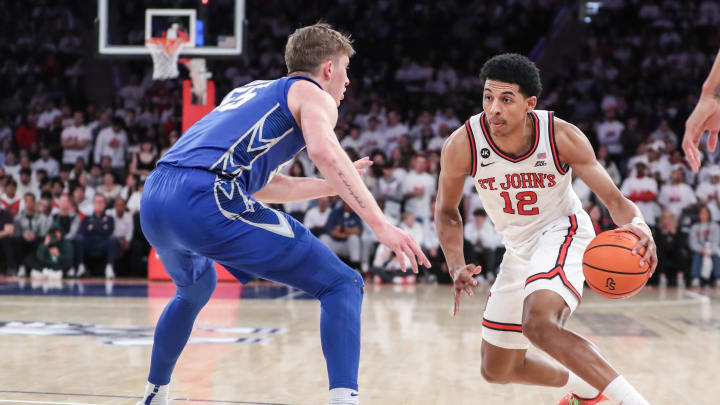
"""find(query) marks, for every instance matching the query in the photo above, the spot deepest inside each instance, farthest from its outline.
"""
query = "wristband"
(638, 221)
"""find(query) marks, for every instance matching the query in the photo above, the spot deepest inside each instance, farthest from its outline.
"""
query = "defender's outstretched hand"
(362, 164)
(705, 117)
(401, 242)
(464, 281)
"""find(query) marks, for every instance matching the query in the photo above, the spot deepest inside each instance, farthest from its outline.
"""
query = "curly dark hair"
(514, 68)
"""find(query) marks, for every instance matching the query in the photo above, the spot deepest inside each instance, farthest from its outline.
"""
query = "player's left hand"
(705, 117)
(463, 281)
(362, 164)
(646, 240)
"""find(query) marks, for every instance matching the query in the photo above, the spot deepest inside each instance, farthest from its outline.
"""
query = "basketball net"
(165, 51)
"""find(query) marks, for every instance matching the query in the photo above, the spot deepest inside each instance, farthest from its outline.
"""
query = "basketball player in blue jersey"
(205, 202)
(521, 161)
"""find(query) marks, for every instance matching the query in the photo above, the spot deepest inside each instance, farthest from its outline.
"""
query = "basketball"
(611, 269)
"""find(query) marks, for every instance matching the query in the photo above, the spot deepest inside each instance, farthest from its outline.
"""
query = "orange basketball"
(610, 268)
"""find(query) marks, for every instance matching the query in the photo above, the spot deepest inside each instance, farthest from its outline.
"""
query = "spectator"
(316, 217)
(66, 218)
(10, 199)
(27, 134)
(296, 209)
(12, 167)
(352, 141)
(7, 233)
(30, 227)
(394, 130)
(705, 244)
(482, 244)
(143, 162)
(609, 165)
(95, 178)
(47, 162)
(608, 133)
(112, 141)
(642, 190)
(53, 256)
(418, 188)
(108, 188)
(388, 189)
(96, 237)
(673, 254)
(26, 184)
(124, 226)
(82, 202)
(709, 191)
(76, 141)
(677, 195)
(373, 138)
(343, 234)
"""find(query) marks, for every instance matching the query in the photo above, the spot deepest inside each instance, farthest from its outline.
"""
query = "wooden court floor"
(87, 343)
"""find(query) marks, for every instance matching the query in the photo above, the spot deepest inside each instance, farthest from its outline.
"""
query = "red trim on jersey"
(505, 327)
(483, 126)
(473, 151)
(560, 261)
(553, 147)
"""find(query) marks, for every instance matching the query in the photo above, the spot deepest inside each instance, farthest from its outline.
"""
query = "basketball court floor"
(88, 342)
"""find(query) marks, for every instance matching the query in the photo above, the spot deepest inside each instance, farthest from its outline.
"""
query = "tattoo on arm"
(352, 193)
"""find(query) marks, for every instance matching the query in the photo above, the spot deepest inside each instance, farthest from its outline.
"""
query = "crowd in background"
(73, 170)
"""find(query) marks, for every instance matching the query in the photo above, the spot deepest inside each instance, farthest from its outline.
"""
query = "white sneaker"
(159, 395)
(695, 282)
(36, 274)
(21, 272)
(81, 271)
(47, 273)
(56, 274)
(663, 281)
(109, 272)
(71, 272)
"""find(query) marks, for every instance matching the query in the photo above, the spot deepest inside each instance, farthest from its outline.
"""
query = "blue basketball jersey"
(244, 140)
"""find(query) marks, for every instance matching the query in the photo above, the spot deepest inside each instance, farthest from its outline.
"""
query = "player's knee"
(349, 284)
(540, 331)
(199, 293)
(496, 373)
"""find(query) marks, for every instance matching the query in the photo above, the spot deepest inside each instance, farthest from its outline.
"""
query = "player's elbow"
(321, 155)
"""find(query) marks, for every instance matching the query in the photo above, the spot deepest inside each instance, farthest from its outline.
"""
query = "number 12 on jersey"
(524, 199)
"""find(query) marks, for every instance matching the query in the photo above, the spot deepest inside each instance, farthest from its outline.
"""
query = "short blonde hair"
(310, 46)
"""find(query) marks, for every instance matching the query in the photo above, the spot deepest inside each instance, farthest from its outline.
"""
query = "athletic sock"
(579, 387)
(344, 396)
(620, 391)
(155, 394)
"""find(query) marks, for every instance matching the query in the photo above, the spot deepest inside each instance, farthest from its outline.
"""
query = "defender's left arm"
(283, 189)
(575, 150)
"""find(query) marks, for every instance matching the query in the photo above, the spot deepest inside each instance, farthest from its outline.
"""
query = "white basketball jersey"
(521, 194)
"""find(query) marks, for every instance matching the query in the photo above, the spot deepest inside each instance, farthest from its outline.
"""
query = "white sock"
(620, 391)
(160, 392)
(579, 387)
(344, 396)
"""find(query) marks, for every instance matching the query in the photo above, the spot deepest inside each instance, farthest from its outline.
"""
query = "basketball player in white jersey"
(521, 160)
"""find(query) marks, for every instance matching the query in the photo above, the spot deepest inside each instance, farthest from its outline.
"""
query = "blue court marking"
(210, 401)
(101, 288)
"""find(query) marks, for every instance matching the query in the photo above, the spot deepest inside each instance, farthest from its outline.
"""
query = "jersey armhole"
(473, 150)
(562, 169)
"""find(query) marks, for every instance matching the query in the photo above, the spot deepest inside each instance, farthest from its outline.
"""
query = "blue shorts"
(193, 218)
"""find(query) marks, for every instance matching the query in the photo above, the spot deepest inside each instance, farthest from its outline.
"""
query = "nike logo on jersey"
(485, 164)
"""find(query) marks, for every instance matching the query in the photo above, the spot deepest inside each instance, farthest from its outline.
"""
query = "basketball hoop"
(165, 51)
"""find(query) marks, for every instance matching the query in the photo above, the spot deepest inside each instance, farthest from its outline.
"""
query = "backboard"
(215, 27)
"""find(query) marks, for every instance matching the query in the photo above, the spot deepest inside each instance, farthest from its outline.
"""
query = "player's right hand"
(401, 242)
(463, 280)
(705, 117)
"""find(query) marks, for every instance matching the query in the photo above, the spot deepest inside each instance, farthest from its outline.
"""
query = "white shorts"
(552, 260)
